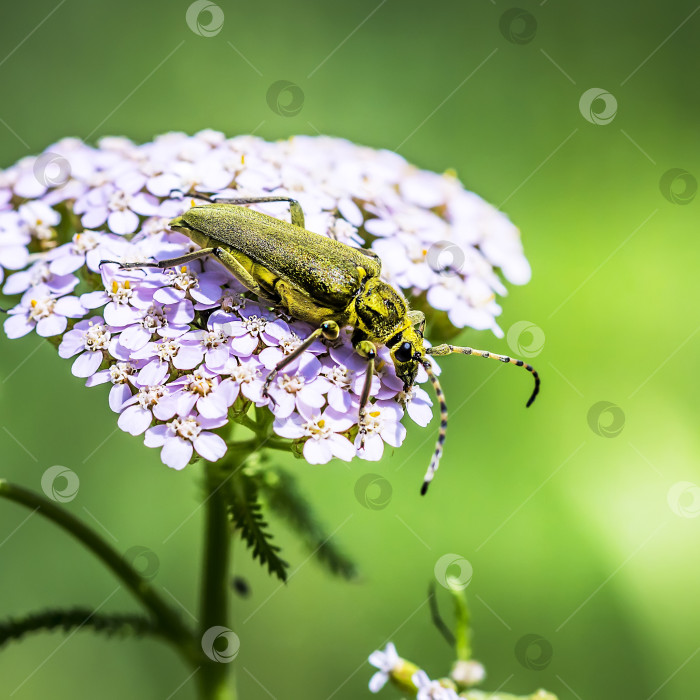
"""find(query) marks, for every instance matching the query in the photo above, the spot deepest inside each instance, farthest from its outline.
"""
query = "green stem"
(169, 623)
(463, 647)
(269, 443)
(245, 420)
(485, 695)
(214, 680)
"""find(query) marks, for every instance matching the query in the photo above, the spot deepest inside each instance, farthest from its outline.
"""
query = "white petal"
(176, 452)
(317, 451)
(378, 680)
(86, 364)
(210, 446)
(135, 420)
(341, 447)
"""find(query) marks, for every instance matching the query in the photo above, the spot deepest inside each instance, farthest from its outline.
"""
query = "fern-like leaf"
(247, 517)
(286, 500)
(76, 618)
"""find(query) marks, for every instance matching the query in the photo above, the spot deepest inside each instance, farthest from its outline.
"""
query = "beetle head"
(407, 354)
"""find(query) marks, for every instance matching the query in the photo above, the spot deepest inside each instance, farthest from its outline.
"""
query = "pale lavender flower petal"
(86, 364)
(318, 451)
(118, 394)
(50, 326)
(176, 452)
(210, 446)
(17, 326)
(135, 420)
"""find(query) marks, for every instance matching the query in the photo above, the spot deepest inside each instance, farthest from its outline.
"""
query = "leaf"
(247, 517)
(286, 500)
(78, 618)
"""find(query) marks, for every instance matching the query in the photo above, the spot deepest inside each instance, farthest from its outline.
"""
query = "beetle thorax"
(381, 310)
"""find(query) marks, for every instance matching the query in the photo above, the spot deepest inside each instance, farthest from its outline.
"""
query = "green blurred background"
(570, 533)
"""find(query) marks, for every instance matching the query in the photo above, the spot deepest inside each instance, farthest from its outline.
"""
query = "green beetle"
(321, 281)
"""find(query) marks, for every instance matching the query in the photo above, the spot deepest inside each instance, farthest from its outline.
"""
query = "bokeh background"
(578, 517)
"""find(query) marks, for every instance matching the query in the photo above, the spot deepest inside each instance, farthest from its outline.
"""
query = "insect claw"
(123, 266)
(266, 393)
(362, 442)
(179, 192)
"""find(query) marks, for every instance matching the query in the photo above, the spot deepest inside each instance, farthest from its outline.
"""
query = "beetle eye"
(405, 352)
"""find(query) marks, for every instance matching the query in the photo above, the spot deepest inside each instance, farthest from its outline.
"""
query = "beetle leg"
(294, 207)
(370, 254)
(368, 350)
(328, 329)
(170, 262)
(417, 318)
(448, 349)
(230, 262)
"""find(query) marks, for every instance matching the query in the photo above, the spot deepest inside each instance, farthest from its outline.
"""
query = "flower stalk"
(214, 677)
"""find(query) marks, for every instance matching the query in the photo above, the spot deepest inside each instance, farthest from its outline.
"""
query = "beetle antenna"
(447, 349)
(435, 461)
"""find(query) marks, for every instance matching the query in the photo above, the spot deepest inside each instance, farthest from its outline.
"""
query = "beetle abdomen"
(327, 270)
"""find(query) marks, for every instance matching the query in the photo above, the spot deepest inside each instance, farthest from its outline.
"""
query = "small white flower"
(386, 661)
(431, 690)
(468, 672)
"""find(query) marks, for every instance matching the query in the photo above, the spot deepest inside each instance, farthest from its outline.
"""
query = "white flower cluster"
(389, 664)
(180, 346)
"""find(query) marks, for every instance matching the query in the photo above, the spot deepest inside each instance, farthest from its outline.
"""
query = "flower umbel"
(187, 349)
